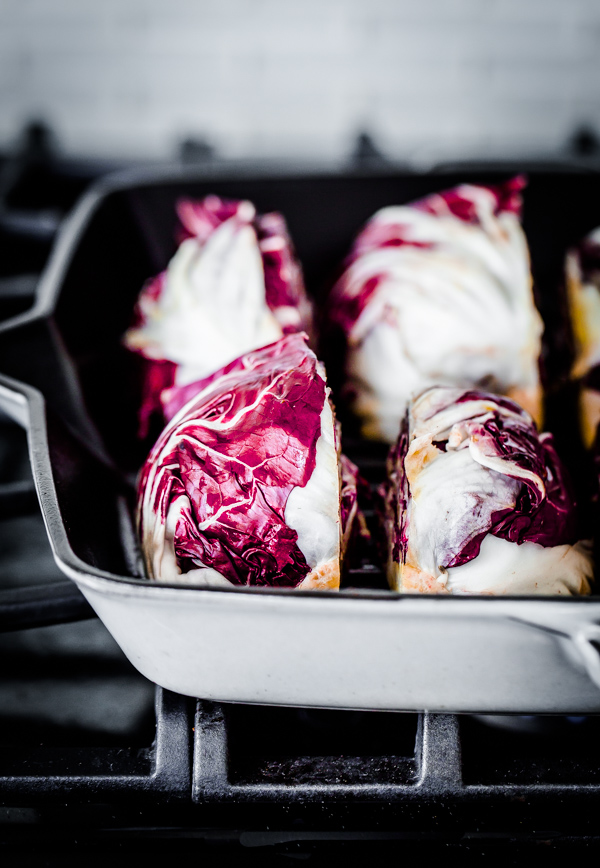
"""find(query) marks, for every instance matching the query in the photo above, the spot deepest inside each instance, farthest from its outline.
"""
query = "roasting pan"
(66, 378)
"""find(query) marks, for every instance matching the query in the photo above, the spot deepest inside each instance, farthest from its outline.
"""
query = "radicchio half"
(234, 285)
(244, 485)
(583, 293)
(471, 482)
(439, 291)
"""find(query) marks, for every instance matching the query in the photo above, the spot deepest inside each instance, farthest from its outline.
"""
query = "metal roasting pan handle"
(54, 602)
(583, 636)
(587, 641)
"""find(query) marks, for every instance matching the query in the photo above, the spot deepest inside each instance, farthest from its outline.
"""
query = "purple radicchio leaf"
(346, 306)
(506, 441)
(284, 294)
(234, 453)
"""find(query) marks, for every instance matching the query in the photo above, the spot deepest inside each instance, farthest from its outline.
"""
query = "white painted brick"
(270, 77)
(517, 11)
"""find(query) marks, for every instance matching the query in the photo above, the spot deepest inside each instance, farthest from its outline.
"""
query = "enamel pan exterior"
(65, 379)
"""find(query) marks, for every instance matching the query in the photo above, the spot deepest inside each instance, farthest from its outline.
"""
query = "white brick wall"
(429, 78)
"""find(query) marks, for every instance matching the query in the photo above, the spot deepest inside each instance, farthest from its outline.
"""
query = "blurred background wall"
(277, 78)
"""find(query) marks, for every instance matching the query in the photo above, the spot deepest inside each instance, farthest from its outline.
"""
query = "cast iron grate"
(35, 774)
(448, 755)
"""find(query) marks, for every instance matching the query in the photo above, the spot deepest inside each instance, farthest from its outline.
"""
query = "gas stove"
(96, 762)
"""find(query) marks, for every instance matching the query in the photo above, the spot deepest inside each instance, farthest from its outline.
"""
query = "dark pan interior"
(130, 237)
